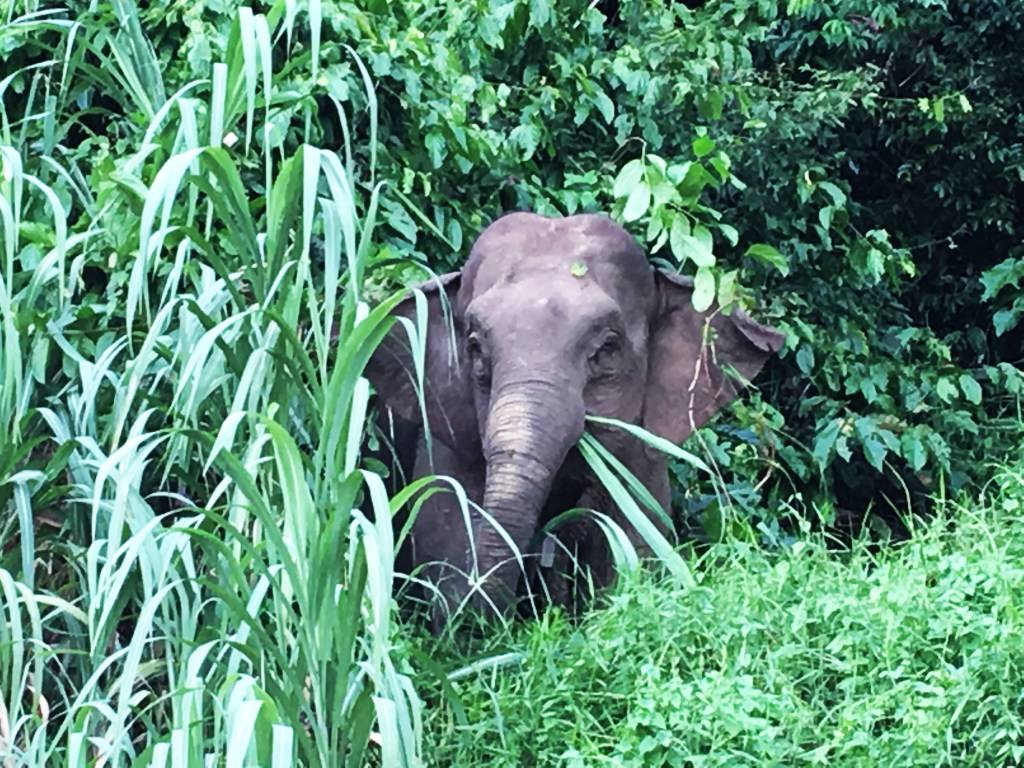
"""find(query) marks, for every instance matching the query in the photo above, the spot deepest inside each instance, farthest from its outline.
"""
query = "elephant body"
(550, 319)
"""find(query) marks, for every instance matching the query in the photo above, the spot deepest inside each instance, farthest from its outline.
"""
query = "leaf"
(913, 450)
(680, 230)
(540, 13)
(703, 234)
(629, 176)
(437, 148)
(946, 389)
(703, 146)
(526, 137)
(825, 217)
(653, 440)
(837, 195)
(874, 451)
(805, 358)
(1006, 273)
(767, 254)
(654, 229)
(578, 269)
(604, 106)
(727, 288)
(843, 448)
(971, 388)
(638, 203)
(729, 232)
(825, 441)
(868, 389)
(703, 289)
(710, 107)
(689, 247)
(1005, 320)
(596, 455)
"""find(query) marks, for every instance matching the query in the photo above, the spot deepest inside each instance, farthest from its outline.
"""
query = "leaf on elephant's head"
(578, 269)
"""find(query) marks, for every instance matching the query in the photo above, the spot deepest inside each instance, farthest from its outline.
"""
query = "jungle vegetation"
(206, 211)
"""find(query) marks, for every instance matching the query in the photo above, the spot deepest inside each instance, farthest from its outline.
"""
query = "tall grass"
(909, 656)
(203, 568)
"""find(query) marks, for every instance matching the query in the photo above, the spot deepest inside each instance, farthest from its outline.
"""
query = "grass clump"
(912, 655)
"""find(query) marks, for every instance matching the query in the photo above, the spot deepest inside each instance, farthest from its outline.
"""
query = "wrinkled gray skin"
(535, 343)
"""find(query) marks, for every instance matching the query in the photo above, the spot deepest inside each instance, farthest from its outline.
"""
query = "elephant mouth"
(568, 487)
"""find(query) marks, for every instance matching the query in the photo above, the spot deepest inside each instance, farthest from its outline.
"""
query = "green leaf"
(874, 451)
(540, 13)
(710, 107)
(825, 441)
(914, 450)
(604, 106)
(727, 288)
(843, 448)
(767, 254)
(578, 269)
(1005, 320)
(825, 217)
(653, 440)
(729, 233)
(436, 147)
(638, 203)
(703, 234)
(805, 358)
(971, 388)
(837, 195)
(703, 146)
(629, 176)
(680, 230)
(1007, 273)
(946, 390)
(527, 138)
(868, 389)
(703, 289)
(689, 247)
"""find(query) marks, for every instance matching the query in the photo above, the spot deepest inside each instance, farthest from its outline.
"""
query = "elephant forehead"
(538, 314)
(531, 298)
(587, 247)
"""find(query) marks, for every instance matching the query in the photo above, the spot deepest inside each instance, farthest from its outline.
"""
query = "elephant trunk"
(530, 429)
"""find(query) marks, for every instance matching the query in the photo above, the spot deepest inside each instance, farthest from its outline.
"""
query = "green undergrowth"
(902, 655)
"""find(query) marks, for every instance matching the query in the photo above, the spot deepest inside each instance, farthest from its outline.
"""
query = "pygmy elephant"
(549, 320)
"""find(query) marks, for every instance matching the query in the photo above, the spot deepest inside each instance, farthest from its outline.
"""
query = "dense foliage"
(852, 168)
(908, 656)
(200, 203)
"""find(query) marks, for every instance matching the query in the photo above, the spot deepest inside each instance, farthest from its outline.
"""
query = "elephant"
(550, 319)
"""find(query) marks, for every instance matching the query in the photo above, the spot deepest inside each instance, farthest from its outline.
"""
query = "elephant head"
(550, 320)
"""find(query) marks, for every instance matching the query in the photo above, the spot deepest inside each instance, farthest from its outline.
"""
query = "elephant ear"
(446, 392)
(695, 358)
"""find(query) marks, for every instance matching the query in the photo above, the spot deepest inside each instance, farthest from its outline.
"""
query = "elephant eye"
(477, 360)
(605, 358)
